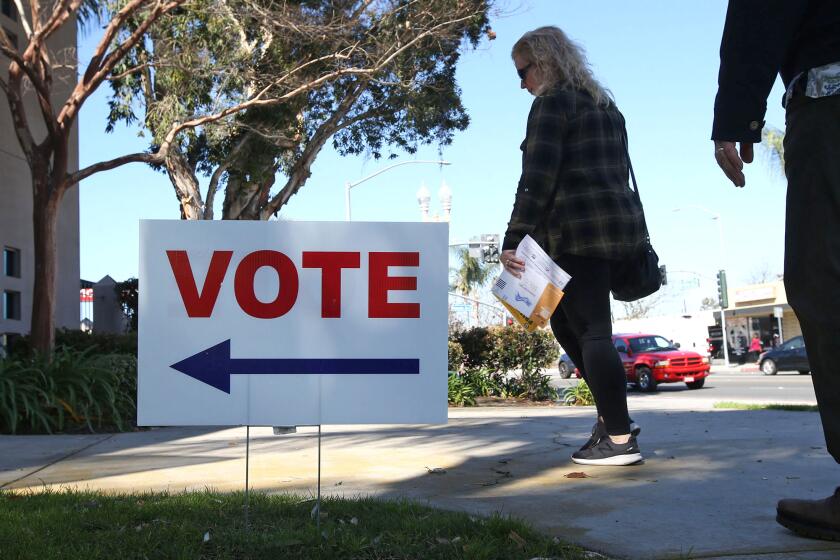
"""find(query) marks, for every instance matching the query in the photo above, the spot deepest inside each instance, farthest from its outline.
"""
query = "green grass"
(75, 525)
(746, 406)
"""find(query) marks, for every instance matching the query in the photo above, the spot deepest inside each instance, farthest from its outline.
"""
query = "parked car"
(651, 359)
(566, 367)
(715, 342)
(788, 356)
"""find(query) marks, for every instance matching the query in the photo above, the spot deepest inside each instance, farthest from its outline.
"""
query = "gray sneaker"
(599, 430)
(607, 452)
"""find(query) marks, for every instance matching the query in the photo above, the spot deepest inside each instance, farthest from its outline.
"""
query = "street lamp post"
(717, 217)
(348, 185)
(502, 313)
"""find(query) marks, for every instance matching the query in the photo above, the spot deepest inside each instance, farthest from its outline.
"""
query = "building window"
(8, 9)
(11, 262)
(11, 305)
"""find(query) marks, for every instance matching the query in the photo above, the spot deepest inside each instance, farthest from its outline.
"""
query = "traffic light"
(485, 248)
(723, 294)
(490, 253)
(490, 247)
(663, 273)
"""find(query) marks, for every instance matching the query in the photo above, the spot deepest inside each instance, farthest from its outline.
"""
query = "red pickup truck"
(651, 359)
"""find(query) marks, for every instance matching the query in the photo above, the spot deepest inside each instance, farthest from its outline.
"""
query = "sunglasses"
(523, 72)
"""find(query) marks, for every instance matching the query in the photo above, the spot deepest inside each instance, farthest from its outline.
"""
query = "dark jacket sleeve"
(756, 37)
(541, 162)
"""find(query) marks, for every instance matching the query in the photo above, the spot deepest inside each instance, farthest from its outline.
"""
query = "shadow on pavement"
(708, 487)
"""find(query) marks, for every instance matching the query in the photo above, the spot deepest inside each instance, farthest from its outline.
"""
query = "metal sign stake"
(318, 500)
(247, 465)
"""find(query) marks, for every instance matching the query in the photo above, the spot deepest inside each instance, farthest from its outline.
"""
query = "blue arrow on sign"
(214, 366)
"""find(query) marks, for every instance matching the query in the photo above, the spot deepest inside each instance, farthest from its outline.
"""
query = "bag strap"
(630, 164)
(633, 178)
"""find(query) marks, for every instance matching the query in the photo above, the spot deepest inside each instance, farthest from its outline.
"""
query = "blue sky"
(658, 57)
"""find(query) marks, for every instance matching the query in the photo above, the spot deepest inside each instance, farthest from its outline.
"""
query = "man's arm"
(756, 37)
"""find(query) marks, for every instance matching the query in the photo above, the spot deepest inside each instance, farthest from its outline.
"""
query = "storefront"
(758, 310)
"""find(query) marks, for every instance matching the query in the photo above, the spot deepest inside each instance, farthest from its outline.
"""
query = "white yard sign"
(292, 323)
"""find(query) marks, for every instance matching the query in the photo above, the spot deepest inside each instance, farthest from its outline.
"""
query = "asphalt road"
(785, 387)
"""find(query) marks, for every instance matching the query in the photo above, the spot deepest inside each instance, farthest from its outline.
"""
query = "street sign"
(292, 323)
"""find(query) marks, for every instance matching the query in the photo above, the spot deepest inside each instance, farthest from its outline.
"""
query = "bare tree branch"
(35, 11)
(18, 110)
(60, 14)
(139, 68)
(301, 169)
(8, 49)
(142, 157)
(23, 21)
(100, 67)
(642, 307)
(110, 32)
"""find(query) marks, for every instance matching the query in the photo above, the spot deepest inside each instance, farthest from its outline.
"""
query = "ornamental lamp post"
(348, 185)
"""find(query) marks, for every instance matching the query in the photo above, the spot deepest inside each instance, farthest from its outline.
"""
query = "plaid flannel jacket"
(573, 195)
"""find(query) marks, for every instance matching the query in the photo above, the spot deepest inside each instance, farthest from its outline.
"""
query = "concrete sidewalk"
(707, 489)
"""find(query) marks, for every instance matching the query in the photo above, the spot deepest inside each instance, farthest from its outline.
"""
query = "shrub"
(460, 393)
(578, 395)
(490, 353)
(476, 344)
(507, 348)
(97, 343)
(515, 348)
(75, 390)
(484, 382)
(534, 385)
(456, 356)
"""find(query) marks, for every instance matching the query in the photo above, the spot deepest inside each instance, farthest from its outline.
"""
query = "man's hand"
(726, 155)
(512, 263)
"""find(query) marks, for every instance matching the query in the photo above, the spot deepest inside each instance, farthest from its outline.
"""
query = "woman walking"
(574, 199)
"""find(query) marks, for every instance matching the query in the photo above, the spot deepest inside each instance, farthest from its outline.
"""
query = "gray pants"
(812, 245)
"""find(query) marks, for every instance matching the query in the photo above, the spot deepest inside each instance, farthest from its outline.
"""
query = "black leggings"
(582, 325)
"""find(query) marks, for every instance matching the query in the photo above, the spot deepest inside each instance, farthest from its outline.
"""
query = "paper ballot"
(532, 298)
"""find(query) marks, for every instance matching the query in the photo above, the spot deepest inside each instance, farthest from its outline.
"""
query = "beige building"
(761, 309)
(16, 237)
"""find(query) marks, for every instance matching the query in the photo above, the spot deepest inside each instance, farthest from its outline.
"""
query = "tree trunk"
(183, 179)
(45, 223)
(239, 196)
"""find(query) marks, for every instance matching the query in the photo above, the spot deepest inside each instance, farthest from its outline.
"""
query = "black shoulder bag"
(638, 276)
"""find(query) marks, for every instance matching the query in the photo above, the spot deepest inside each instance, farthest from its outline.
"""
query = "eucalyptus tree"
(236, 89)
(369, 76)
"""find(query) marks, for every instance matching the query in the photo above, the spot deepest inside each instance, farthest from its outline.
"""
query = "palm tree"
(470, 276)
(773, 142)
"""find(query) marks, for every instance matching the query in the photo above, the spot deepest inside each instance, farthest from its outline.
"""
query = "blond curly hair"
(561, 62)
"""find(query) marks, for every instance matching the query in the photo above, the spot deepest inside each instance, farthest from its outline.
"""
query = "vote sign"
(292, 323)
